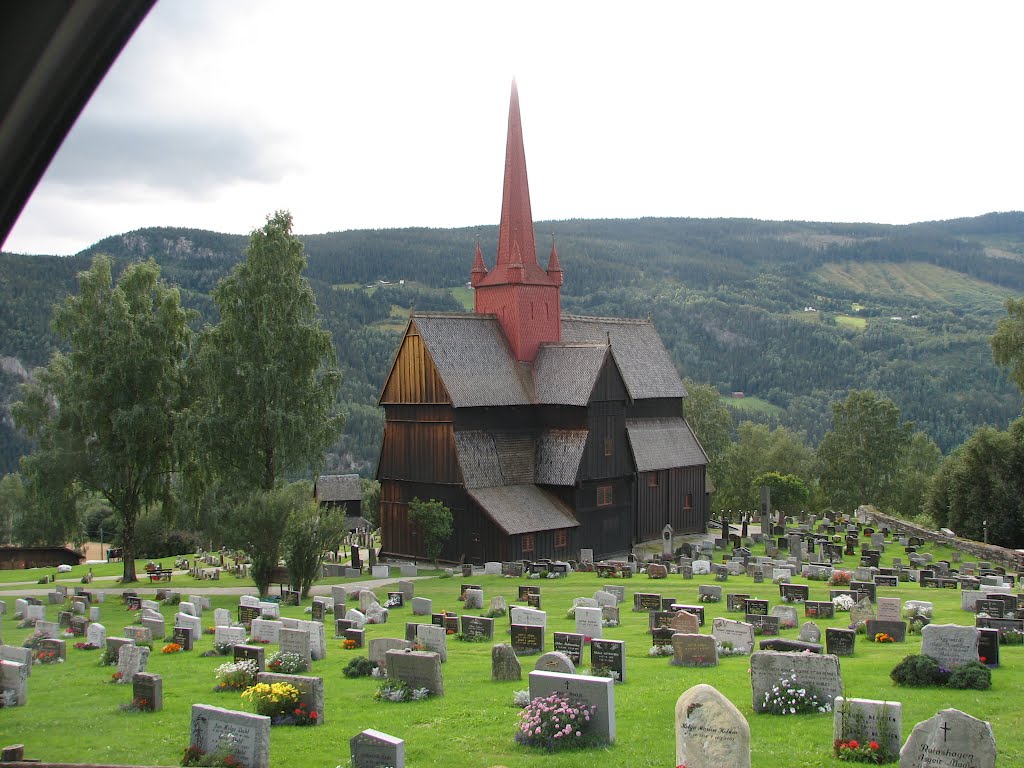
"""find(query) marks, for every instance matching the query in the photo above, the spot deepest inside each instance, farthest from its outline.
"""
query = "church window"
(688, 501)
(652, 480)
(609, 446)
(561, 539)
(605, 497)
(528, 542)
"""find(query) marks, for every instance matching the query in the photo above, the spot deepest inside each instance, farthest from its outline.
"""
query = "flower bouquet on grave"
(852, 751)
(220, 758)
(660, 650)
(171, 648)
(47, 657)
(554, 723)
(710, 599)
(117, 678)
(787, 697)
(884, 637)
(236, 676)
(839, 578)
(274, 700)
(843, 603)
(1011, 637)
(138, 704)
(287, 663)
(349, 645)
(223, 649)
(86, 647)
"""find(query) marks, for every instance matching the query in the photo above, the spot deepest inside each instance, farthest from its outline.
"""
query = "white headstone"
(581, 690)
(246, 736)
(710, 731)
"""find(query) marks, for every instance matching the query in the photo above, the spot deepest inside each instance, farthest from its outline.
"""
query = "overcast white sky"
(379, 115)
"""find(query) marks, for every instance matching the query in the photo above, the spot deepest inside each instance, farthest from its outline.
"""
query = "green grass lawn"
(465, 296)
(856, 323)
(72, 712)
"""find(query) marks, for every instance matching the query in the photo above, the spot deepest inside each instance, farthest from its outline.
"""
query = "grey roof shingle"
(523, 509)
(339, 488)
(559, 452)
(495, 458)
(565, 374)
(474, 360)
(663, 444)
(639, 352)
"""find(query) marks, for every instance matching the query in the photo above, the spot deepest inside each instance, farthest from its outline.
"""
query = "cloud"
(182, 159)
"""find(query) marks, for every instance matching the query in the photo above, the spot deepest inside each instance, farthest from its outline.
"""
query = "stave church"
(544, 433)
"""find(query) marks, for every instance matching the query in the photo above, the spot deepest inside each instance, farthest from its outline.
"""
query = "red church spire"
(524, 296)
(479, 271)
(554, 268)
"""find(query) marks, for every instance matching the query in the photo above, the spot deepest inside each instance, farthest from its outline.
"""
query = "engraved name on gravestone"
(710, 731)
(739, 633)
(609, 655)
(950, 739)
(819, 672)
(418, 669)
(950, 644)
(246, 736)
(571, 644)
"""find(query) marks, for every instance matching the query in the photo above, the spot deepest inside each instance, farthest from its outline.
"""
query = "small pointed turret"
(479, 271)
(554, 267)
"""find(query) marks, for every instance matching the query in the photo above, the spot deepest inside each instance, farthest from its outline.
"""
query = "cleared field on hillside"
(925, 281)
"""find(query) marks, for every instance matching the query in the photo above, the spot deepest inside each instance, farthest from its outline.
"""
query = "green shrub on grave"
(973, 674)
(918, 670)
(360, 666)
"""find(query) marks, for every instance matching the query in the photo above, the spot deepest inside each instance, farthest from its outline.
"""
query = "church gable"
(414, 378)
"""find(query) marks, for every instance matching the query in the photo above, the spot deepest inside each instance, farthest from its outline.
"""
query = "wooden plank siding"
(413, 377)
(418, 451)
(665, 501)
(607, 529)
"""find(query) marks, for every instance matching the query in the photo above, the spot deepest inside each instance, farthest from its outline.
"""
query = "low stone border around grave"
(989, 552)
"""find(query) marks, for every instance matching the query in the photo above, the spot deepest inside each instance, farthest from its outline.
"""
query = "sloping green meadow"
(73, 708)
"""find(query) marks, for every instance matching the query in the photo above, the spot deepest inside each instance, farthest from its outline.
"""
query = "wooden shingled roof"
(338, 488)
(663, 443)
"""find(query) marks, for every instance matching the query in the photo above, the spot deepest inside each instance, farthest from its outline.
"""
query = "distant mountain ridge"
(794, 312)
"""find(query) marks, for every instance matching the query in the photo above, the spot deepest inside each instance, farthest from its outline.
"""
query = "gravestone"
(265, 631)
(131, 659)
(950, 644)
(422, 606)
(615, 589)
(96, 634)
(527, 639)
(256, 653)
(684, 622)
(739, 633)
(528, 616)
(840, 642)
(474, 599)
(157, 627)
(818, 672)
(247, 736)
(418, 669)
(588, 622)
(897, 630)
(712, 592)
(433, 638)
(867, 720)
(734, 602)
(694, 650)
(148, 688)
(950, 739)
(787, 616)
(14, 677)
(710, 731)
(227, 635)
(373, 749)
(192, 623)
(809, 632)
(504, 664)
(862, 611)
(609, 655)
(183, 637)
(581, 690)
(555, 661)
(139, 634)
(571, 644)
(358, 618)
(296, 641)
(477, 627)
(888, 609)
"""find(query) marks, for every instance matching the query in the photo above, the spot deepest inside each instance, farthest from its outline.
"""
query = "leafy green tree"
(13, 503)
(920, 463)
(757, 450)
(267, 381)
(310, 534)
(788, 492)
(860, 458)
(981, 484)
(710, 421)
(369, 507)
(1008, 341)
(434, 521)
(104, 413)
(256, 523)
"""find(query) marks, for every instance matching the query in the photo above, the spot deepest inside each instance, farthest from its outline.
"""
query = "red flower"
(982, 659)
(313, 715)
(873, 745)
(853, 743)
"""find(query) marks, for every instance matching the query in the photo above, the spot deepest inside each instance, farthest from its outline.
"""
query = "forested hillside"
(794, 313)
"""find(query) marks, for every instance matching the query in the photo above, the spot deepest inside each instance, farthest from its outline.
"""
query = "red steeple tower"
(525, 297)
